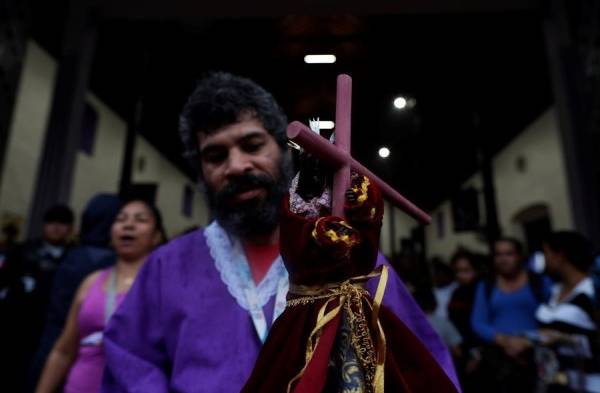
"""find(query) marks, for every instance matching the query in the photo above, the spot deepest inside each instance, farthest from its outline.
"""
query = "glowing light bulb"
(326, 125)
(319, 59)
(400, 102)
(384, 152)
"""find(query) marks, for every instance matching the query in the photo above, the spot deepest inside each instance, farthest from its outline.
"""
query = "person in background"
(446, 330)
(39, 259)
(443, 280)
(10, 233)
(12, 299)
(568, 321)
(9, 242)
(8, 274)
(78, 353)
(467, 270)
(92, 253)
(504, 309)
(30, 269)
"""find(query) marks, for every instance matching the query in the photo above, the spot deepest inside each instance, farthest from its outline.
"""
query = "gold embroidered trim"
(351, 294)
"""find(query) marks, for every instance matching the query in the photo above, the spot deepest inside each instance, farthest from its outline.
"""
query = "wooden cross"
(339, 158)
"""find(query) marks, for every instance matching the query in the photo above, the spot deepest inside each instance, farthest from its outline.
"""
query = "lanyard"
(256, 312)
(95, 339)
(111, 296)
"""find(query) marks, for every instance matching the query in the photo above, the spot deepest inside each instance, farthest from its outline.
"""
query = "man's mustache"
(244, 183)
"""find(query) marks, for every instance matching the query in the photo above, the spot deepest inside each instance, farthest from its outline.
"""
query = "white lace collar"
(232, 264)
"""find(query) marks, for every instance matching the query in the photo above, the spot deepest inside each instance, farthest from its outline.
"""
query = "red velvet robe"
(312, 259)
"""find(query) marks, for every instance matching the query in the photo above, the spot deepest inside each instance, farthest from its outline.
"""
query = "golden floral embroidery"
(350, 295)
(362, 190)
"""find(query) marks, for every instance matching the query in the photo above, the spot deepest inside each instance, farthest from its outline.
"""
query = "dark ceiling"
(485, 64)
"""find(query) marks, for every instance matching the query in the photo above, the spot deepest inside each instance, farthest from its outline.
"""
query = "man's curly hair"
(221, 99)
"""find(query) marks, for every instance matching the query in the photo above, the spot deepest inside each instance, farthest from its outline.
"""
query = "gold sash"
(350, 294)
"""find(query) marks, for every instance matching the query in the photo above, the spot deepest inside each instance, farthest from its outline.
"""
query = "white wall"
(170, 191)
(542, 181)
(99, 172)
(444, 241)
(403, 225)
(25, 139)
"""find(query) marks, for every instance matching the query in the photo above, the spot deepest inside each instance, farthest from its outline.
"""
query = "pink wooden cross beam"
(338, 156)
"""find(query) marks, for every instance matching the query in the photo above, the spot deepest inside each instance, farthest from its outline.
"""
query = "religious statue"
(334, 336)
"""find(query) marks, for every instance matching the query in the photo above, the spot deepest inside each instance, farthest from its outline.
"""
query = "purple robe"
(180, 330)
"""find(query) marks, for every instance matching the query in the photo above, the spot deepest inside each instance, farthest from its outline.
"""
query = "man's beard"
(256, 216)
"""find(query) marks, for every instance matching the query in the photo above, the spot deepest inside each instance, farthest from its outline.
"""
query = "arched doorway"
(534, 220)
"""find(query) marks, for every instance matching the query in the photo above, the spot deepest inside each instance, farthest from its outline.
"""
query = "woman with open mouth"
(78, 357)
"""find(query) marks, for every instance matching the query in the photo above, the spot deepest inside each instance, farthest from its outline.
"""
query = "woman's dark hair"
(221, 99)
(59, 213)
(575, 247)
(462, 253)
(517, 245)
(440, 267)
(155, 213)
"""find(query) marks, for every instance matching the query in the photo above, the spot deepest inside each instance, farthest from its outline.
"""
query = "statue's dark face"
(313, 177)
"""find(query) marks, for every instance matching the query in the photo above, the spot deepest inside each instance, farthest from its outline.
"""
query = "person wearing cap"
(93, 252)
(39, 258)
(32, 266)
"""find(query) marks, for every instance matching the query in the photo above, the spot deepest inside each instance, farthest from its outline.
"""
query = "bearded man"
(201, 308)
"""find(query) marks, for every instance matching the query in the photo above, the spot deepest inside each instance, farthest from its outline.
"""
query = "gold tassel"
(348, 292)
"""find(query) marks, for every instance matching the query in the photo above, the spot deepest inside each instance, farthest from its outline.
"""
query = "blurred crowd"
(513, 322)
(516, 322)
(58, 291)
